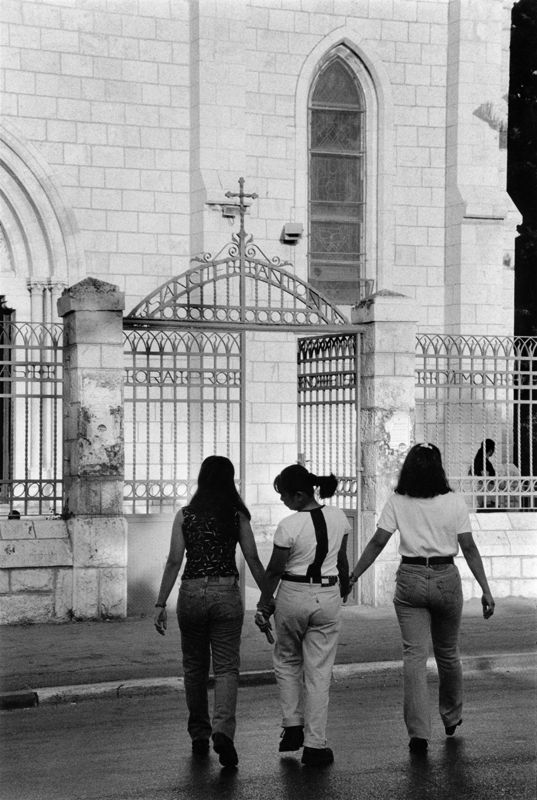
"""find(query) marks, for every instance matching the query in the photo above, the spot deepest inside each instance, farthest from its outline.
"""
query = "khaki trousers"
(307, 628)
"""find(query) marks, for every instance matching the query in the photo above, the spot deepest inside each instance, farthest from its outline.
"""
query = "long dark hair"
(296, 478)
(422, 473)
(217, 494)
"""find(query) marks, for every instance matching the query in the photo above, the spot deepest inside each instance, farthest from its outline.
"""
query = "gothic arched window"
(336, 183)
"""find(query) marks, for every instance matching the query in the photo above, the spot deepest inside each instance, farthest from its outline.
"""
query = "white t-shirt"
(297, 533)
(428, 526)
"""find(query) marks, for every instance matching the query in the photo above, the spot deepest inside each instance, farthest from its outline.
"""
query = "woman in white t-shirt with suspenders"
(432, 521)
(309, 561)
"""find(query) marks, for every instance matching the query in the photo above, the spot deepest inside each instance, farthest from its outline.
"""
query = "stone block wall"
(36, 571)
(53, 570)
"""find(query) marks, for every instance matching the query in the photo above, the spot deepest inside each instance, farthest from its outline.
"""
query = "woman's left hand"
(161, 620)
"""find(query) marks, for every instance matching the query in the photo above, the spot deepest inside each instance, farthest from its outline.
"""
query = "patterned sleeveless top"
(210, 550)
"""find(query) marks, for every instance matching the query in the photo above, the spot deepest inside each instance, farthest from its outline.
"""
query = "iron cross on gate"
(242, 205)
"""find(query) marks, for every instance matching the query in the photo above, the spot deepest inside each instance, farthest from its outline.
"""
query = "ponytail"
(296, 478)
(327, 484)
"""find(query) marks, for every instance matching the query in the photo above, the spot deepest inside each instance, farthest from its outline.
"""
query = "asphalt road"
(136, 749)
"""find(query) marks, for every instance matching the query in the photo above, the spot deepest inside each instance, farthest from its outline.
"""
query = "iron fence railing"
(476, 399)
(31, 376)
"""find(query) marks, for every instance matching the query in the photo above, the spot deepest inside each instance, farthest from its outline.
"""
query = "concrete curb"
(54, 695)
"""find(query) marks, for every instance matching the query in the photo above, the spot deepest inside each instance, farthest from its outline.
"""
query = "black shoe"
(317, 756)
(450, 730)
(225, 748)
(292, 738)
(418, 745)
(200, 747)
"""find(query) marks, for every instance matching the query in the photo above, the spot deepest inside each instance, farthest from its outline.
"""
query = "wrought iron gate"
(329, 414)
(328, 409)
(185, 356)
(31, 379)
(183, 403)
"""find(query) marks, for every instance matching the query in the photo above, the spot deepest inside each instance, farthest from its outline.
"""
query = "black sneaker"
(450, 730)
(200, 747)
(292, 738)
(317, 756)
(225, 748)
(418, 745)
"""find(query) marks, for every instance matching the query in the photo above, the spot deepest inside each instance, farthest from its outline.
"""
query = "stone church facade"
(372, 133)
(125, 122)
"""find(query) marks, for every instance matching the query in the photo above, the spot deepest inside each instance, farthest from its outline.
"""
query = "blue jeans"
(428, 602)
(210, 615)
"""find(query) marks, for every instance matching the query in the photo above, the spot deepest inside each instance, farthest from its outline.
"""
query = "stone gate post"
(389, 323)
(93, 453)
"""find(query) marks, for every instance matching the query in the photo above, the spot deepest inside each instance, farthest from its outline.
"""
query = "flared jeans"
(307, 628)
(428, 604)
(210, 615)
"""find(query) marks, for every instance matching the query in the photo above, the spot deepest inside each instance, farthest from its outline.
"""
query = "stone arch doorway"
(39, 249)
(239, 357)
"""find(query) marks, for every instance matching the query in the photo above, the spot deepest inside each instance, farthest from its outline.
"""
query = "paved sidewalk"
(40, 662)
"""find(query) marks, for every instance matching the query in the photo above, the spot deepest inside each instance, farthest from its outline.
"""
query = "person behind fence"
(433, 522)
(310, 564)
(481, 464)
(483, 467)
(209, 606)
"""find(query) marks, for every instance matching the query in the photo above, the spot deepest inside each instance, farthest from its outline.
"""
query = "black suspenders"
(321, 537)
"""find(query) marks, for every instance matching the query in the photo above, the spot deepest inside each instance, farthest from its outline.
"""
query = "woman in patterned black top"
(209, 607)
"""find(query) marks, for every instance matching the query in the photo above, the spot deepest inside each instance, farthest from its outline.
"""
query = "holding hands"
(262, 619)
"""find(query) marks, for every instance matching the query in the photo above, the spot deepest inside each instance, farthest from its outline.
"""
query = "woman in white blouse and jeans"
(432, 521)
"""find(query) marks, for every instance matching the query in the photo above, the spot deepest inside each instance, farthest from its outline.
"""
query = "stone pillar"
(480, 218)
(389, 323)
(93, 466)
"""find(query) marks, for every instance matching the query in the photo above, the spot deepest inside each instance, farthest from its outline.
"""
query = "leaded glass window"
(336, 183)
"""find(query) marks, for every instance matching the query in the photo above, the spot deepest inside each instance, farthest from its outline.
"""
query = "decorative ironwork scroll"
(239, 285)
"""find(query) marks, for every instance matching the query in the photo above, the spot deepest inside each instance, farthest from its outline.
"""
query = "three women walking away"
(309, 569)
(433, 522)
(309, 563)
(209, 608)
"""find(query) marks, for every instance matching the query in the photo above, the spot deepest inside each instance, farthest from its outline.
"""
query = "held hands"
(262, 619)
(488, 604)
(161, 620)
(348, 589)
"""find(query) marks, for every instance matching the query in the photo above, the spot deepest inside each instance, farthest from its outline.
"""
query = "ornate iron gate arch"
(185, 366)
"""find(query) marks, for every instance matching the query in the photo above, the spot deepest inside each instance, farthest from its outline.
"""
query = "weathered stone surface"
(99, 541)
(35, 553)
(86, 593)
(17, 529)
(18, 608)
(63, 593)
(4, 581)
(100, 438)
(50, 528)
(91, 294)
(32, 580)
(113, 592)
